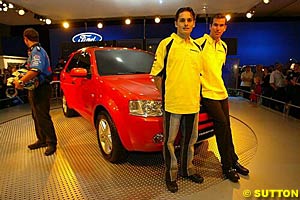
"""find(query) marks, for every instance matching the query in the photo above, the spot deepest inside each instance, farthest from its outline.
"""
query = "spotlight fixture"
(127, 21)
(48, 21)
(66, 25)
(157, 19)
(266, 1)
(4, 6)
(42, 19)
(250, 14)
(10, 5)
(228, 17)
(21, 12)
(100, 25)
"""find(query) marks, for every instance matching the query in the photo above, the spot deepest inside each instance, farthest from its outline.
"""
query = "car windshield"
(123, 61)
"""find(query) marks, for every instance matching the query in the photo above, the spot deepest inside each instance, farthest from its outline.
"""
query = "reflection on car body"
(112, 88)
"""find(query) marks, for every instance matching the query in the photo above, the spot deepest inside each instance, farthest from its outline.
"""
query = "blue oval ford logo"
(87, 37)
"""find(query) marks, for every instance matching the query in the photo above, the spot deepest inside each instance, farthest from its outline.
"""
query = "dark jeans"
(219, 111)
(246, 95)
(39, 100)
(280, 95)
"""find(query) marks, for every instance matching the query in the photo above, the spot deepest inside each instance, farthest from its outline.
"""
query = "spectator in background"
(266, 87)
(278, 84)
(247, 80)
(2, 87)
(295, 93)
(259, 73)
(256, 90)
(291, 76)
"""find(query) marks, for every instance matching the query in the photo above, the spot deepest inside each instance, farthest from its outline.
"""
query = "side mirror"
(78, 72)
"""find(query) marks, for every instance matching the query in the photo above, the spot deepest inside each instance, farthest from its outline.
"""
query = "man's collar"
(211, 40)
(178, 38)
(34, 45)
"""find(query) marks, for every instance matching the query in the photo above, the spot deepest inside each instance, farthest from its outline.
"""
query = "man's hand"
(157, 82)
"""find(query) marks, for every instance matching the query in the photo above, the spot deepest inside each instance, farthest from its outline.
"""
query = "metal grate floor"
(78, 170)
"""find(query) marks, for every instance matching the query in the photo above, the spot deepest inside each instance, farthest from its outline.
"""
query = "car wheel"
(108, 139)
(68, 112)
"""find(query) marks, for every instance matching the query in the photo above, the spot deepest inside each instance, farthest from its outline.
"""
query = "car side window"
(84, 61)
(73, 63)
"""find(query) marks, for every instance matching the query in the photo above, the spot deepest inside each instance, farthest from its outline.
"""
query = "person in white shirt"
(247, 80)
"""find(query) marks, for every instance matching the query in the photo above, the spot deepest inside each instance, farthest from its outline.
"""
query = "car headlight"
(145, 108)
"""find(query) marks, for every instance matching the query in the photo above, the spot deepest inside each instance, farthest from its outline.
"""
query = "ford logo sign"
(87, 37)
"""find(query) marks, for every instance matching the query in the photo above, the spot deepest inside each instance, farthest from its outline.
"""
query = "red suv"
(112, 88)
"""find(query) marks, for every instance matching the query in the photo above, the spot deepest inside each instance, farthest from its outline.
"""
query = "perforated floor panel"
(78, 170)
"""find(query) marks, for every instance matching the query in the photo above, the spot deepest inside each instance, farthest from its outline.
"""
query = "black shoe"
(37, 145)
(50, 150)
(172, 186)
(196, 178)
(240, 169)
(232, 175)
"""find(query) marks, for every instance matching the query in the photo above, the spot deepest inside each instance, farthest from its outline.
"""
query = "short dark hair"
(180, 10)
(31, 34)
(218, 16)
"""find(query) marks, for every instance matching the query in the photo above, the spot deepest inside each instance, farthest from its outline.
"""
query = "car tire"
(68, 112)
(108, 139)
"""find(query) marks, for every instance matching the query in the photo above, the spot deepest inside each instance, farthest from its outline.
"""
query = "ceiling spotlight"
(66, 25)
(5, 9)
(157, 19)
(266, 1)
(100, 25)
(10, 5)
(21, 12)
(48, 21)
(250, 14)
(228, 17)
(127, 21)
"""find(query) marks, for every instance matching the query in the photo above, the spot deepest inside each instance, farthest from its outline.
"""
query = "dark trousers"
(246, 94)
(39, 100)
(219, 111)
(188, 124)
(279, 95)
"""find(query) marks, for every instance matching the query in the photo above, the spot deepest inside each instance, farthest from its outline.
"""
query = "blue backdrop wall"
(257, 42)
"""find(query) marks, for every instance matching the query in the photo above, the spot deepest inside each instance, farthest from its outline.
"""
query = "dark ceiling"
(78, 10)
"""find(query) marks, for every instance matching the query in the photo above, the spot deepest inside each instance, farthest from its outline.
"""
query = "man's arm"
(27, 77)
(157, 82)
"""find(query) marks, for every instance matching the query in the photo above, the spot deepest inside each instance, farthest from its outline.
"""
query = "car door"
(85, 86)
(68, 82)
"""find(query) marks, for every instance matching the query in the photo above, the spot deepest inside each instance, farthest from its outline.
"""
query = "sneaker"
(37, 145)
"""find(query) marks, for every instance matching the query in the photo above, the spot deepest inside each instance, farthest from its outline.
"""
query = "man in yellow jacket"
(215, 96)
(176, 72)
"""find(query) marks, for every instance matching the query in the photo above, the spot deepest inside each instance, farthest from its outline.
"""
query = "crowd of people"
(277, 87)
